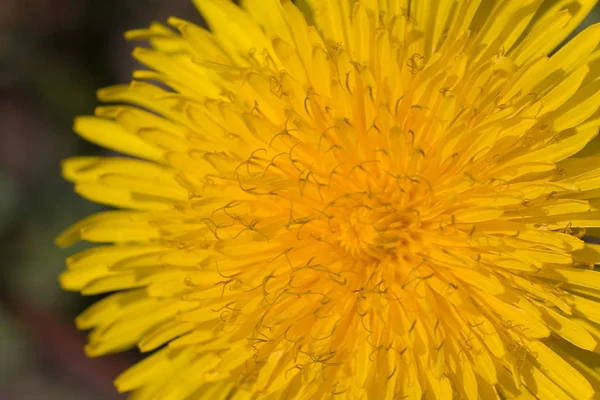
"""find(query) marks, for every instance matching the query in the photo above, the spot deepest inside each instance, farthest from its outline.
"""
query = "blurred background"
(54, 55)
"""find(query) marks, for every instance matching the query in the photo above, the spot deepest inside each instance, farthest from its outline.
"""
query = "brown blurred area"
(54, 55)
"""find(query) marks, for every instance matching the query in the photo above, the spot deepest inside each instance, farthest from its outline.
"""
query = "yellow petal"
(578, 9)
(585, 307)
(581, 106)
(145, 95)
(517, 316)
(540, 385)
(564, 90)
(234, 28)
(480, 279)
(73, 234)
(333, 19)
(105, 311)
(558, 151)
(536, 42)
(270, 15)
(108, 283)
(570, 330)
(143, 371)
(478, 214)
(118, 230)
(576, 276)
(559, 371)
(163, 334)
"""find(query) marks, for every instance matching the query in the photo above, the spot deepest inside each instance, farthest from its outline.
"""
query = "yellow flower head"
(349, 199)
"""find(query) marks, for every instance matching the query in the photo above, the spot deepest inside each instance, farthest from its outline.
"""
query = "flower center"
(378, 233)
(358, 236)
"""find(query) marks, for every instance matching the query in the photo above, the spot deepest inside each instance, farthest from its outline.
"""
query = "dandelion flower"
(349, 199)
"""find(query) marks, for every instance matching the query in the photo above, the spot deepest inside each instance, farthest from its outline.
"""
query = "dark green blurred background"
(54, 54)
